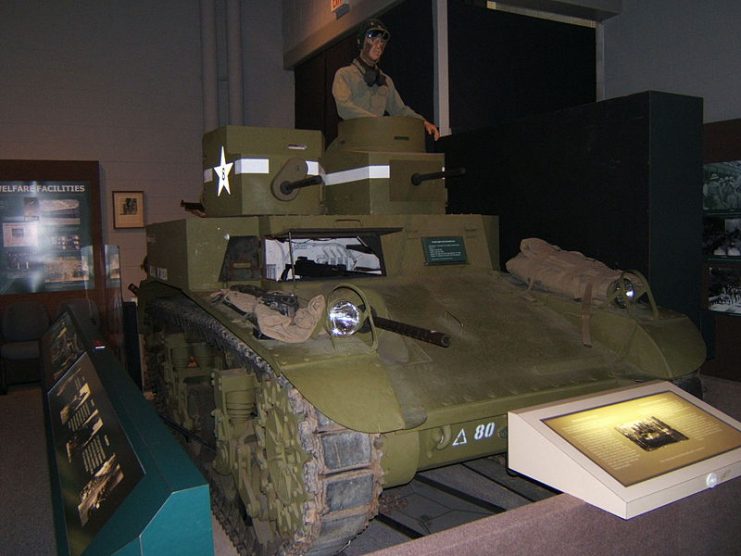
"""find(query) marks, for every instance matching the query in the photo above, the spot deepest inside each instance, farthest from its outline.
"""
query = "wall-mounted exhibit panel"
(51, 247)
(47, 241)
(627, 451)
(120, 482)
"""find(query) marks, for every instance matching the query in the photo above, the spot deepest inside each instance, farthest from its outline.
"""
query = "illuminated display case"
(722, 248)
(722, 236)
(51, 231)
(627, 451)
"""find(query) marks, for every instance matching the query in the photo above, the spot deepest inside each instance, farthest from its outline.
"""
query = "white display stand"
(627, 451)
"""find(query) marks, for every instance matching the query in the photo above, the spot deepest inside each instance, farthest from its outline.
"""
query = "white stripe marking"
(357, 174)
(253, 166)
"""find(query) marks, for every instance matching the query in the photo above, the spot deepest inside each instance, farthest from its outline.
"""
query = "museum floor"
(27, 524)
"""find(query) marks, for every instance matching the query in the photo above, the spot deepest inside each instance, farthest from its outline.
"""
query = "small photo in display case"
(724, 288)
(722, 236)
(721, 190)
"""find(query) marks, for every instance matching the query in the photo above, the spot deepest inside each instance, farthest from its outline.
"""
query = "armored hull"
(334, 338)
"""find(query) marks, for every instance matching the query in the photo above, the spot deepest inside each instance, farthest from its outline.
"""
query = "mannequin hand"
(431, 129)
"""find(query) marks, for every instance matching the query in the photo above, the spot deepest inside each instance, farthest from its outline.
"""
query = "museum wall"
(677, 46)
(268, 88)
(115, 82)
(120, 83)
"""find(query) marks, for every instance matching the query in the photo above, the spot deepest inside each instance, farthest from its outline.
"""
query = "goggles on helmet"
(378, 34)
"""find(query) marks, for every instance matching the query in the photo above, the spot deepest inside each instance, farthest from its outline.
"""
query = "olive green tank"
(324, 330)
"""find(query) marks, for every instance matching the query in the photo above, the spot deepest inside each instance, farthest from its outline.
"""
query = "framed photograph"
(128, 209)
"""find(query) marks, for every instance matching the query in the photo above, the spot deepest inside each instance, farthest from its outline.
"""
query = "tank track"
(343, 476)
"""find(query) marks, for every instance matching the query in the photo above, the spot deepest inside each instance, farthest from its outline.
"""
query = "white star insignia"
(222, 170)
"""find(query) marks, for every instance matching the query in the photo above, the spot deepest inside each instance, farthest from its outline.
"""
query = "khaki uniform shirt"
(355, 99)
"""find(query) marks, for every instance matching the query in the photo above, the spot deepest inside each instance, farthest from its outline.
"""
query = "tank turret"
(369, 168)
(375, 166)
(243, 168)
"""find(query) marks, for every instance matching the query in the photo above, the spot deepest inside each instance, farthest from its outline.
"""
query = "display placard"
(46, 236)
(638, 439)
(444, 250)
(628, 450)
(96, 464)
(64, 348)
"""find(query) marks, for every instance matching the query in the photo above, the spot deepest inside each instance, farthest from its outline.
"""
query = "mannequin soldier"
(363, 90)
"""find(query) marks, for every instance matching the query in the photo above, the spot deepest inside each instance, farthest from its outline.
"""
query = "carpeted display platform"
(706, 523)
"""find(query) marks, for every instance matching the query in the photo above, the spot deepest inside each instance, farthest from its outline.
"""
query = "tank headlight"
(630, 290)
(626, 292)
(344, 318)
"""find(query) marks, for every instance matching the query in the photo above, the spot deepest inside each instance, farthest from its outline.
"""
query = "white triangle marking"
(460, 440)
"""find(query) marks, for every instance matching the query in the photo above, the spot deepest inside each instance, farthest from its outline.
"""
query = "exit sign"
(335, 5)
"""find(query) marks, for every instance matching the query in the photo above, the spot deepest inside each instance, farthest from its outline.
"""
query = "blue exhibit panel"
(121, 484)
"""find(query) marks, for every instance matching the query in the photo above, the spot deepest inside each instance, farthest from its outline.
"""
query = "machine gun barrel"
(288, 187)
(418, 178)
(422, 334)
(192, 206)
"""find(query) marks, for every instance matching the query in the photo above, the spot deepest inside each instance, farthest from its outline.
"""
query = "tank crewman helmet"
(373, 28)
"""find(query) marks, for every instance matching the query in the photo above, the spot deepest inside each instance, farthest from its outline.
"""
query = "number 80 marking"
(485, 431)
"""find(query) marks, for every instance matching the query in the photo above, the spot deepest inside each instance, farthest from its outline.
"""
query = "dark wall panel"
(619, 180)
(310, 93)
(505, 66)
(409, 57)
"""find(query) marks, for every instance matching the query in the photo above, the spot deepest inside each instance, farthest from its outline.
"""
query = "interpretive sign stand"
(627, 451)
(120, 482)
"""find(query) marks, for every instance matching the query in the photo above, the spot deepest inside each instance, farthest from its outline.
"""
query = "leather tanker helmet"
(372, 31)
(373, 28)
